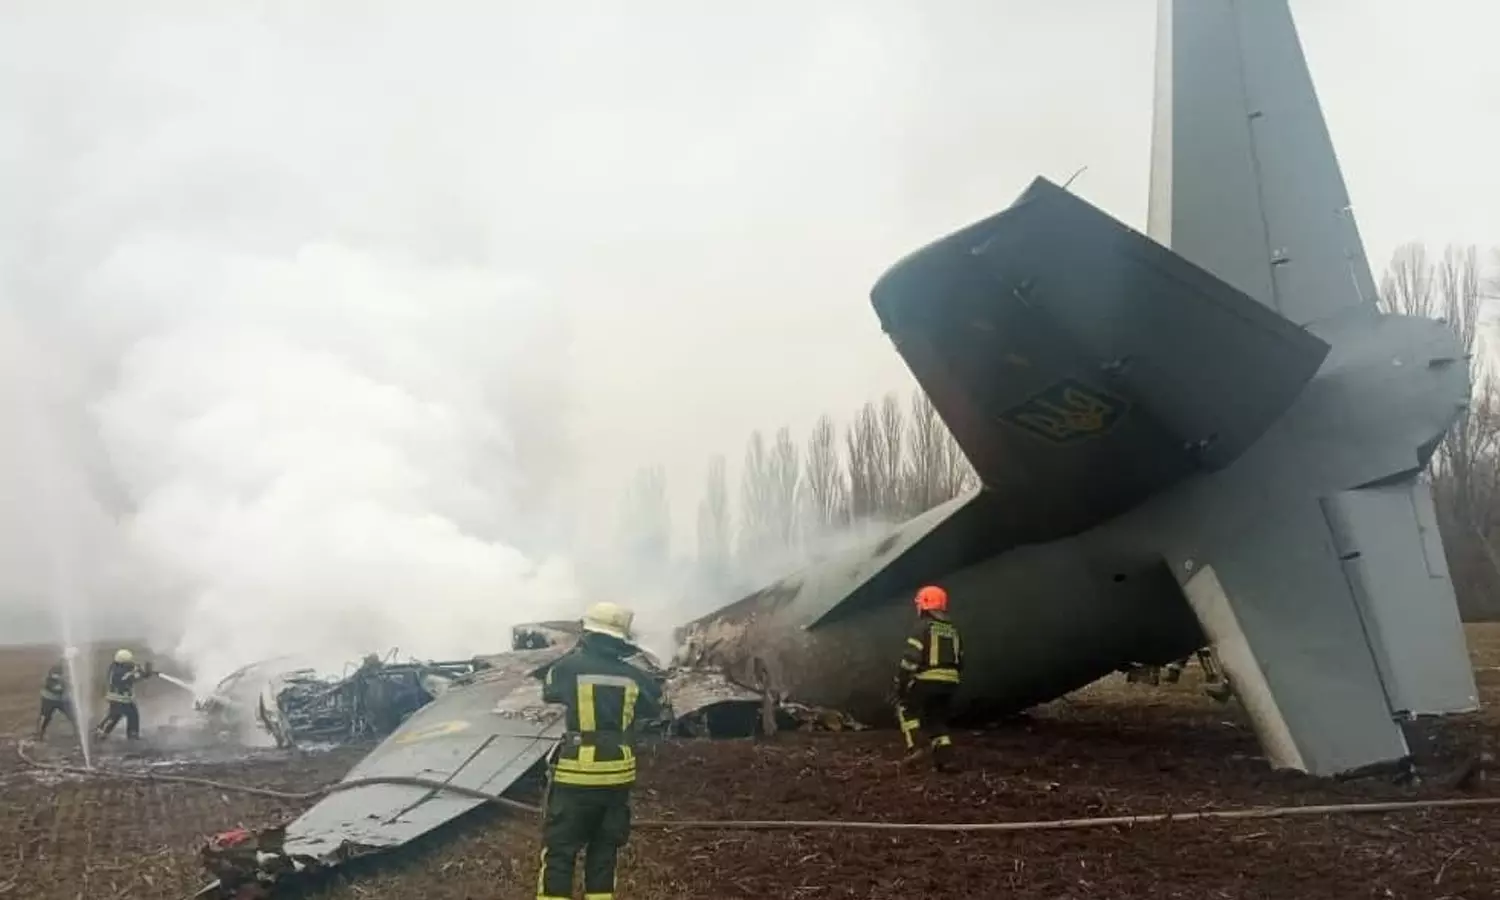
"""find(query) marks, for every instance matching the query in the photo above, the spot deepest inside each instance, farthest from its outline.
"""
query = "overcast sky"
(693, 198)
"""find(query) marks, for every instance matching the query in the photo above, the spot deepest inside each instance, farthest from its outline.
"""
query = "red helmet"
(932, 599)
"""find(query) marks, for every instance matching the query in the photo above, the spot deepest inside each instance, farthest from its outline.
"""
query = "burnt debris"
(299, 706)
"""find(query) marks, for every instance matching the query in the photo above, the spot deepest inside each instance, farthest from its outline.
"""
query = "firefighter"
(119, 693)
(928, 679)
(56, 698)
(588, 802)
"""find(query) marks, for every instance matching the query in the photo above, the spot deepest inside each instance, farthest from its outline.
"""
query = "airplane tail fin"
(1334, 615)
(1244, 180)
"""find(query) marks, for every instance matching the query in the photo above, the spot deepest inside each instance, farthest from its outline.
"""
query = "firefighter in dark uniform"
(929, 678)
(119, 693)
(56, 698)
(588, 802)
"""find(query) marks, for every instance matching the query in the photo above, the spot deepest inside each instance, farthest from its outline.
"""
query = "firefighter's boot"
(942, 756)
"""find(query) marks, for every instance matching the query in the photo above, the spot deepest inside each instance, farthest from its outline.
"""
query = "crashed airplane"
(1213, 437)
(1209, 436)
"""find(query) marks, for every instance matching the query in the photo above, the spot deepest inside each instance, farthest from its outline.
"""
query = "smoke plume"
(361, 314)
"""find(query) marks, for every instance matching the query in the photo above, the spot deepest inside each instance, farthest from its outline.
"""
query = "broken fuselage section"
(297, 706)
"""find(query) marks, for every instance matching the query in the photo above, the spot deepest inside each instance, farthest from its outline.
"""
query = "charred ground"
(1109, 750)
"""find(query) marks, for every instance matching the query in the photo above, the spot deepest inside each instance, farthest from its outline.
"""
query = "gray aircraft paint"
(480, 736)
(1166, 454)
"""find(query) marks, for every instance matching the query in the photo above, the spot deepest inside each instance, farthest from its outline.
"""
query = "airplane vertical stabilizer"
(1319, 572)
(1244, 181)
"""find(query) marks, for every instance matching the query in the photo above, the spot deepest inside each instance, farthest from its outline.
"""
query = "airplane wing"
(1082, 366)
(479, 736)
(482, 736)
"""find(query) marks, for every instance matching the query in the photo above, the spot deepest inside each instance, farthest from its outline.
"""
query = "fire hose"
(1256, 812)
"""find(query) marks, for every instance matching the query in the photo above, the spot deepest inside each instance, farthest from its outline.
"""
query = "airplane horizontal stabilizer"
(1388, 541)
(1082, 366)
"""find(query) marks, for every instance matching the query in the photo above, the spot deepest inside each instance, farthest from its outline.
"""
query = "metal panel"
(1244, 179)
(1280, 612)
(1395, 565)
(481, 736)
(1081, 365)
(689, 691)
(1232, 648)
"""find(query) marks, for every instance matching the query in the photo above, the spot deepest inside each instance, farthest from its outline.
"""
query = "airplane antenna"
(1081, 170)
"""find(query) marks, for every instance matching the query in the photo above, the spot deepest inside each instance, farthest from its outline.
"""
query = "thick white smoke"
(319, 453)
(337, 323)
(329, 408)
(365, 305)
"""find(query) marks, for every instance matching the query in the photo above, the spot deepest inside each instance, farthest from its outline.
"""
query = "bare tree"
(646, 520)
(926, 463)
(891, 459)
(714, 523)
(826, 498)
(1465, 470)
(1407, 287)
(757, 515)
(1459, 299)
(864, 446)
(958, 474)
(936, 468)
(784, 474)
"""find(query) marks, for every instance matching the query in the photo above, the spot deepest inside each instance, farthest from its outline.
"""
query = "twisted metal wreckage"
(299, 707)
(461, 733)
(1210, 435)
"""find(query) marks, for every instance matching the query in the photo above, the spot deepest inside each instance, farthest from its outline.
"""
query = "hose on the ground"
(1259, 812)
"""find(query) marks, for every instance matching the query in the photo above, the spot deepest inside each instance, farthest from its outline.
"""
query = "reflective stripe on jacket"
(120, 685)
(605, 696)
(934, 653)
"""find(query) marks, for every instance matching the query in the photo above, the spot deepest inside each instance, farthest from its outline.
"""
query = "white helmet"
(124, 656)
(609, 618)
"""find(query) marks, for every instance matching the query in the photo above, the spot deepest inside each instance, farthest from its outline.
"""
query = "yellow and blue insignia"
(1067, 412)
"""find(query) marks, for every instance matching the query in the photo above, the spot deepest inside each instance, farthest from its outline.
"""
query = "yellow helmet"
(124, 656)
(609, 618)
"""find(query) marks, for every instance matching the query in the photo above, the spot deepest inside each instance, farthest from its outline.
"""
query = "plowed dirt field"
(1111, 749)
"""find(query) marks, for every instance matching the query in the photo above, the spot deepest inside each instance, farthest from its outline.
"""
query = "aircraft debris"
(300, 706)
(472, 742)
(707, 703)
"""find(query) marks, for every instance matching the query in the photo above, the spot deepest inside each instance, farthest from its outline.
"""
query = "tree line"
(1465, 469)
(892, 460)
